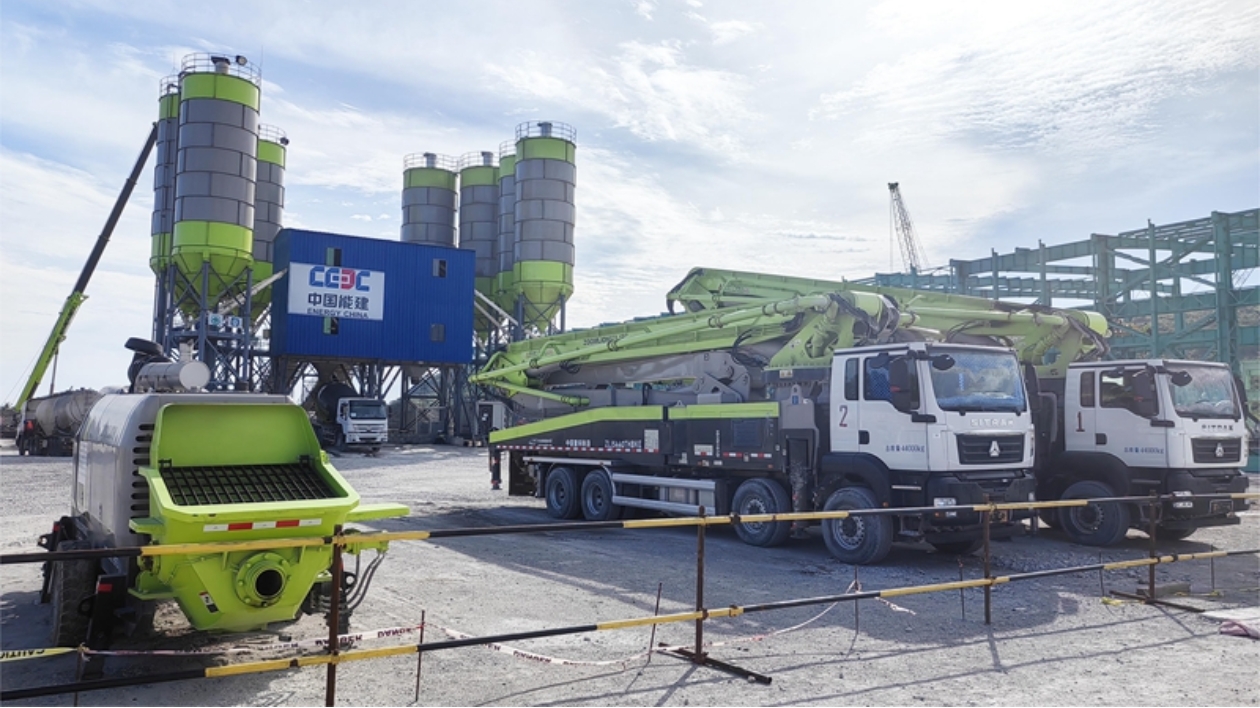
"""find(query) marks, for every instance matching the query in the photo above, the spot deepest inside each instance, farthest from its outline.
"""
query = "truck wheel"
(1095, 524)
(562, 490)
(72, 582)
(959, 548)
(762, 496)
(857, 540)
(597, 494)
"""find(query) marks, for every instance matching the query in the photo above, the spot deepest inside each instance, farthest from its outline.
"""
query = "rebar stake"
(698, 657)
(334, 619)
(420, 656)
(988, 589)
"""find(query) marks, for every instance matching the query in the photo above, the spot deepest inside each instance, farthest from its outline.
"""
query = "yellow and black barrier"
(271, 665)
(370, 538)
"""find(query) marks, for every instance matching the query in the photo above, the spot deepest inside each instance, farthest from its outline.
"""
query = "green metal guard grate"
(244, 484)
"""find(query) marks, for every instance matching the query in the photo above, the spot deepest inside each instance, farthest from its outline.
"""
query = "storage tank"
(268, 208)
(479, 220)
(268, 195)
(217, 169)
(546, 177)
(63, 413)
(428, 199)
(164, 174)
(504, 294)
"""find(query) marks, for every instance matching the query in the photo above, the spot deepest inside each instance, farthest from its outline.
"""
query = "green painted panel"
(274, 153)
(429, 177)
(224, 88)
(543, 271)
(725, 410)
(597, 415)
(479, 176)
(548, 148)
(168, 106)
(227, 247)
(160, 253)
(507, 165)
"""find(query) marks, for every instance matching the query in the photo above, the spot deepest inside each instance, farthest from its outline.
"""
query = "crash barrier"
(340, 540)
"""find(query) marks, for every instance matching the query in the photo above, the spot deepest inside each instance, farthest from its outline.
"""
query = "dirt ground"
(1051, 642)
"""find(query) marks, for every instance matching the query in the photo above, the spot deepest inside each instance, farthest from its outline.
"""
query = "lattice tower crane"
(912, 256)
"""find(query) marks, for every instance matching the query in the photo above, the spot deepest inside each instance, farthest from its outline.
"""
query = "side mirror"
(1181, 378)
(904, 394)
(942, 362)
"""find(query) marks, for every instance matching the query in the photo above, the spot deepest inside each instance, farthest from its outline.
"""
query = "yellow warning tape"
(20, 654)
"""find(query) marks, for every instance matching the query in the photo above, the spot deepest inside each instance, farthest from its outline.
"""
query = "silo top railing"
(546, 129)
(236, 65)
(431, 160)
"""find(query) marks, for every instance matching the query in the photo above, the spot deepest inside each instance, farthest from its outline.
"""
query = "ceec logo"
(335, 278)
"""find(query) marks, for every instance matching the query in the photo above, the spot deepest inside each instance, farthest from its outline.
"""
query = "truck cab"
(932, 425)
(362, 421)
(1148, 426)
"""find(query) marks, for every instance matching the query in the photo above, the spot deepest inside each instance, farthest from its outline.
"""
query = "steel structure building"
(1188, 277)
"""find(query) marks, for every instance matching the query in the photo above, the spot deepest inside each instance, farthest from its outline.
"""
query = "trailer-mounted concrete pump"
(772, 394)
(166, 464)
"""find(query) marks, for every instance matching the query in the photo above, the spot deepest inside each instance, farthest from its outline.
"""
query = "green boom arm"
(76, 297)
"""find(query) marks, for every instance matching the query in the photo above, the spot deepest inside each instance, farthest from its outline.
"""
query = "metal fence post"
(699, 655)
(334, 618)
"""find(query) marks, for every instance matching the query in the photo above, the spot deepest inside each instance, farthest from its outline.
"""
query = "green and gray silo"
(217, 169)
(479, 220)
(428, 199)
(268, 197)
(164, 167)
(546, 177)
(504, 292)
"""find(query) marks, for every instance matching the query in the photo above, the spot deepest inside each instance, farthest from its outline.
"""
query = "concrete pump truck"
(770, 393)
(773, 399)
(1116, 428)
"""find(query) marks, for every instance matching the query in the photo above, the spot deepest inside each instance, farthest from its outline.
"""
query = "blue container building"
(366, 299)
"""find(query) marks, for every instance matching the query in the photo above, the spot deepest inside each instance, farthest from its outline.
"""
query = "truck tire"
(1095, 524)
(597, 494)
(563, 493)
(762, 496)
(72, 582)
(857, 540)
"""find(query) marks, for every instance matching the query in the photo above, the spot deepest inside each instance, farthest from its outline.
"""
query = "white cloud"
(1072, 79)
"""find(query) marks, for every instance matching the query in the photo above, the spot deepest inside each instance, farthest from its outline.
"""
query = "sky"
(743, 134)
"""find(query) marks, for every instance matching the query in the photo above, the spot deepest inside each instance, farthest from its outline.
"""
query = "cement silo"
(216, 172)
(164, 174)
(428, 200)
(504, 294)
(546, 176)
(479, 216)
(268, 196)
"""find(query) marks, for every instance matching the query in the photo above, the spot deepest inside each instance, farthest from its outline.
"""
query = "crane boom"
(77, 296)
(911, 250)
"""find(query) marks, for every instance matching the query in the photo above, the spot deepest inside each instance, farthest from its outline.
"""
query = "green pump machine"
(167, 464)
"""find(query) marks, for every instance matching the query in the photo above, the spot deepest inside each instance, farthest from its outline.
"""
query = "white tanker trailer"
(47, 425)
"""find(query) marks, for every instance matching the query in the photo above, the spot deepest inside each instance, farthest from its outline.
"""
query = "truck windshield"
(979, 381)
(360, 410)
(1208, 394)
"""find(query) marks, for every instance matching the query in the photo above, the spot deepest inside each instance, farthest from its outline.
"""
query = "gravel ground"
(1052, 641)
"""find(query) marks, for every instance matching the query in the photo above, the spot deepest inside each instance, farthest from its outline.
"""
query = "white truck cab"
(1147, 426)
(363, 421)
